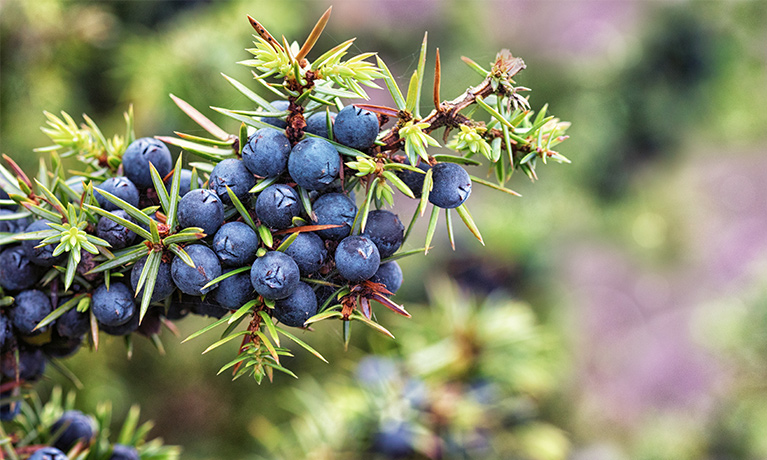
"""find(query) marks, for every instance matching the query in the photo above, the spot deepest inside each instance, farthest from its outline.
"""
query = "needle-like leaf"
(311, 40)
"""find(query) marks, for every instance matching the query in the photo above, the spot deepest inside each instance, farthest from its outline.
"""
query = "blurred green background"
(646, 258)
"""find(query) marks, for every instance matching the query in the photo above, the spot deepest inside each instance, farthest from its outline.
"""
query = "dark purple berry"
(235, 244)
(414, 180)
(207, 307)
(43, 255)
(163, 284)
(317, 123)
(184, 183)
(386, 231)
(275, 275)
(325, 293)
(121, 187)
(277, 122)
(73, 427)
(314, 163)
(357, 258)
(116, 234)
(180, 306)
(308, 251)
(334, 209)
(137, 157)
(113, 306)
(30, 367)
(191, 280)
(234, 291)
(231, 173)
(452, 185)
(30, 307)
(266, 153)
(296, 308)
(390, 275)
(17, 272)
(72, 324)
(277, 205)
(61, 347)
(201, 208)
(123, 329)
(356, 128)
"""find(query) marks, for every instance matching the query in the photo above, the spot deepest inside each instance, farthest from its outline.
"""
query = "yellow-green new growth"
(470, 138)
(416, 140)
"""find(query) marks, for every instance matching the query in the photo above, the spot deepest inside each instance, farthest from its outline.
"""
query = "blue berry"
(231, 173)
(357, 258)
(278, 122)
(42, 256)
(17, 272)
(266, 153)
(74, 427)
(184, 182)
(334, 209)
(314, 163)
(275, 275)
(386, 231)
(277, 205)
(452, 185)
(235, 244)
(115, 234)
(324, 293)
(48, 453)
(180, 306)
(390, 275)
(190, 280)
(317, 123)
(356, 128)
(121, 187)
(30, 307)
(61, 347)
(123, 329)
(123, 452)
(414, 180)
(235, 291)
(201, 208)
(308, 251)
(206, 307)
(137, 157)
(113, 306)
(72, 324)
(296, 308)
(30, 367)
(163, 284)
(11, 226)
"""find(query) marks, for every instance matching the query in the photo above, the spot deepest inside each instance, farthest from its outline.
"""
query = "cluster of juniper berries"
(329, 255)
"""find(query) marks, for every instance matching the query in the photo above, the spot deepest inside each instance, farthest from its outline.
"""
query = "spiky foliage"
(34, 428)
(494, 127)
